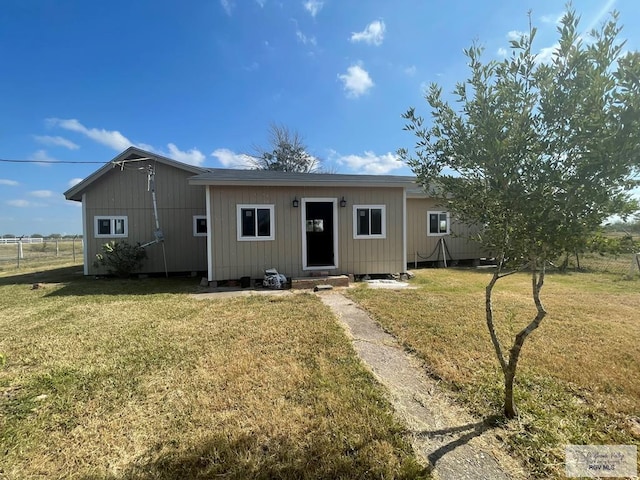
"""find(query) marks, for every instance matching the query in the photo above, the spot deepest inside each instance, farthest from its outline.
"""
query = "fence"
(623, 264)
(39, 252)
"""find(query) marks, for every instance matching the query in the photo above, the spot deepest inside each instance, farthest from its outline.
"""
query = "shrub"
(120, 258)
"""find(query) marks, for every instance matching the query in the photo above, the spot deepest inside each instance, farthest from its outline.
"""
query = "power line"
(6, 160)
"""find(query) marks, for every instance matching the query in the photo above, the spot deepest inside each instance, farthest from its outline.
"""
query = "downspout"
(85, 239)
(210, 276)
(404, 230)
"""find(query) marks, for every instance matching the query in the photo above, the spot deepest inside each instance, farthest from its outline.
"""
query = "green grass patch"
(124, 379)
(577, 381)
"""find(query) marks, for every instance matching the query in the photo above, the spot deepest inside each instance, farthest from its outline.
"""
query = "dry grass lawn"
(579, 373)
(114, 379)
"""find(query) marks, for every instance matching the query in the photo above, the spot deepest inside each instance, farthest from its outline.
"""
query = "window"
(255, 222)
(111, 227)
(438, 223)
(369, 221)
(199, 226)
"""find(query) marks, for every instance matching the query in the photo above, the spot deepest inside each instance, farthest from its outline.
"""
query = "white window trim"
(383, 209)
(256, 238)
(113, 219)
(195, 225)
(438, 234)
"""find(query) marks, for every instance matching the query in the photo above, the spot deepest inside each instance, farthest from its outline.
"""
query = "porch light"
(296, 202)
(343, 202)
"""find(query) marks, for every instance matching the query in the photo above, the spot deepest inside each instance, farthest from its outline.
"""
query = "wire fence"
(36, 253)
(627, 264)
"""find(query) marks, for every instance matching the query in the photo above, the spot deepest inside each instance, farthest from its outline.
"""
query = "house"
(231, 224)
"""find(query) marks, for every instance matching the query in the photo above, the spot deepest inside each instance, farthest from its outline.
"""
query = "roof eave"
(75, 192)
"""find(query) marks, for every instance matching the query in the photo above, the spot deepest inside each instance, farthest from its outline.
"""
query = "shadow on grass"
(71, 281)
(458, 436)
(245, 457)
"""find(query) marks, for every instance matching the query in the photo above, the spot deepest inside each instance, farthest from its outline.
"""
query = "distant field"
(135, 379)
(578, 380)
(40, 255)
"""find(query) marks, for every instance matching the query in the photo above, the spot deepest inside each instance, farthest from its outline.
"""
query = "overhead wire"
(8, 160)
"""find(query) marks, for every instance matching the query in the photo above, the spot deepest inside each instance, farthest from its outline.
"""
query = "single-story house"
(230, 224)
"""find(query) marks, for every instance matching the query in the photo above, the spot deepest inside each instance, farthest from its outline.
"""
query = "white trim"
(383, 210)
(195, 225)
(303, 222)
(85, 242)
(112, 219)
(255, 207)
(210, 276)
(438, 212)
(404, 230)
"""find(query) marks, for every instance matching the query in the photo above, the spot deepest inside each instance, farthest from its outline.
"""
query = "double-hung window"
(438, 223)
(109, 226)
(369, 221)
(255, 222)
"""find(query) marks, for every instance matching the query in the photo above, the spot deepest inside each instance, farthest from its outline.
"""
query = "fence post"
(73, 248)
(20, 253)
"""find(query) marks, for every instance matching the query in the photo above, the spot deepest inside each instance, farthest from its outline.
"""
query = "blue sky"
(200, 81)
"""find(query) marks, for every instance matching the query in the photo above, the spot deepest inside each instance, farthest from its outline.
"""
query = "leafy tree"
(120, 258)
(286, 152)
(536, 155)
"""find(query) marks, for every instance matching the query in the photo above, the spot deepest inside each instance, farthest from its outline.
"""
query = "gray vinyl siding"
(418, 242)
(125, 192)
(233, 259)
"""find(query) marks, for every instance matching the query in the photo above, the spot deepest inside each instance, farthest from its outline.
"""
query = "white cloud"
(56, 141)
(41, 193)
(230, 159)
(18, 203)
(302, 38)
(10, 183)
(552, 19)
(227, 5)
(111, 138)
(411, 71)
(74, 181)
(43, 157)
(546, 53)
(502, 52)
(370, 163)
(114, 139)
(515, 35)
(191, 157)
(261, 3)
(356, 81)
(25, 204)
(373, 34)
(313, 6)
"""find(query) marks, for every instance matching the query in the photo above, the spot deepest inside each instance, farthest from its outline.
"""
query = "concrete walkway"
(456, 446)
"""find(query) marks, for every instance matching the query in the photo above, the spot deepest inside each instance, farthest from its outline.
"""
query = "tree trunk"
(510, 366)
(510, 410)
(537, 281)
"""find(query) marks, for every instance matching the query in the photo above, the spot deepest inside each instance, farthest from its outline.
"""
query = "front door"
(319, 234)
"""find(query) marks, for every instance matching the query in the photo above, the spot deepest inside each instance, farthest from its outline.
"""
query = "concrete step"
(312, 282)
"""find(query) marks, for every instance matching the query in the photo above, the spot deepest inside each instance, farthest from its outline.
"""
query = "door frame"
(303, 214)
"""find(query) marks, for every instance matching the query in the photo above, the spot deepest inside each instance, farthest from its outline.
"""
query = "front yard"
(110, 379)
(578, 380)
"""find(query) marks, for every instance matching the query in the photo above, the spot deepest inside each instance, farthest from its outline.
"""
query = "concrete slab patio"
(455, 445)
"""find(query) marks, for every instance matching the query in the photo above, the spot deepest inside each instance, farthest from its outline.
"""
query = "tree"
(286, 152)
(537, 155)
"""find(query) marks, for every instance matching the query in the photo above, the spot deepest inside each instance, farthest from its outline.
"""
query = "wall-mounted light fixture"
(296, 202)
(343, 202)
